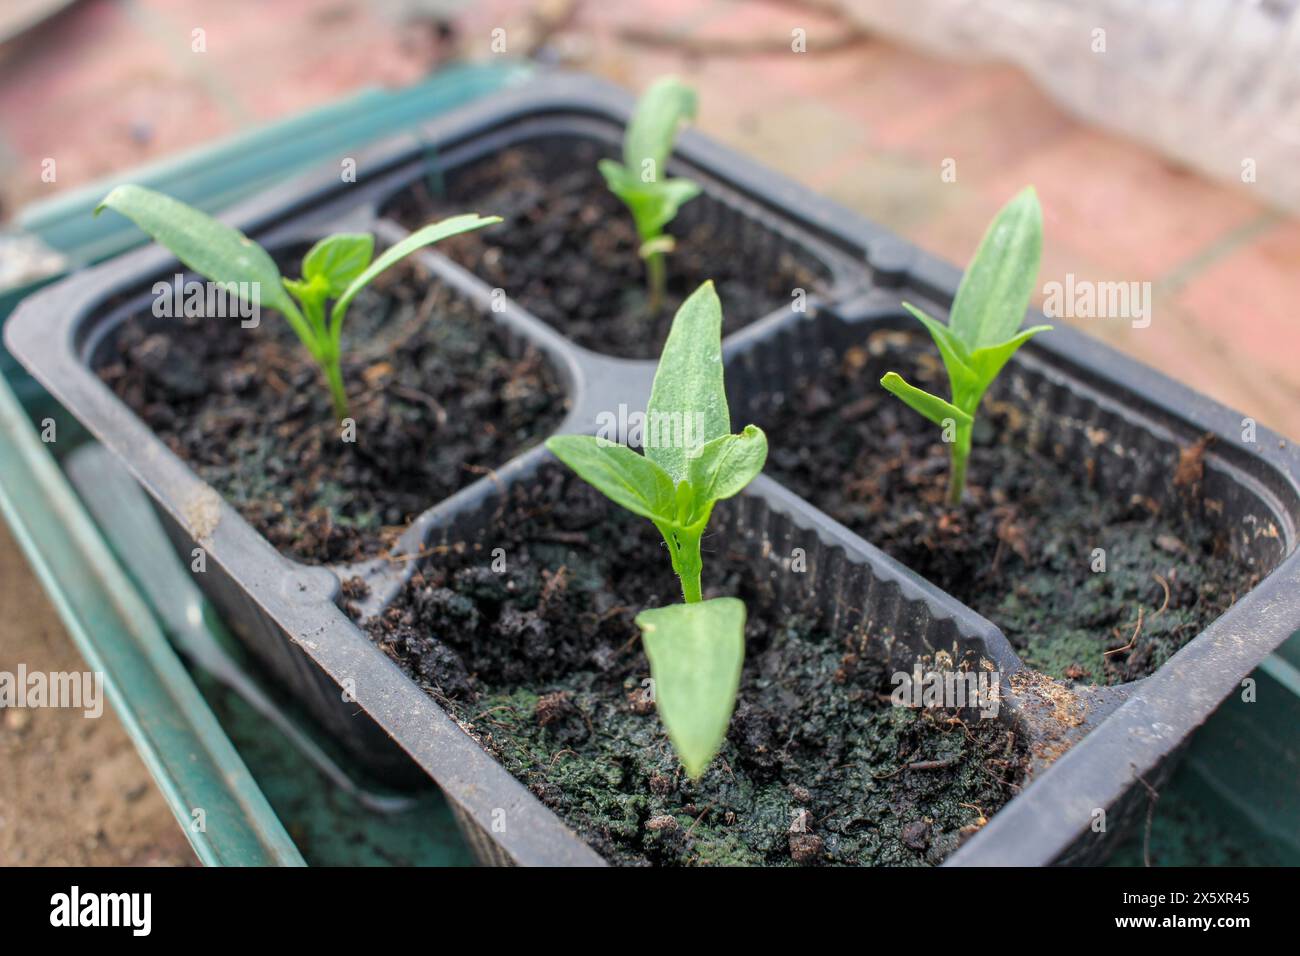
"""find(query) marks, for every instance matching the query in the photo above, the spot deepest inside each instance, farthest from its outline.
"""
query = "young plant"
(692, 461)
(336, 268)
(981, 334)
(639, 180)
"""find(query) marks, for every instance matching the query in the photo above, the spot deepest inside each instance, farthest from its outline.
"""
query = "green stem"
(684, 550)
(691, 591)
(334, 376)
(958, 455)
(656, 280)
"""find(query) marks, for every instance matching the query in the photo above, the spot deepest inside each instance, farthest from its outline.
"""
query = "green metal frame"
(167, 711)
(184, 747)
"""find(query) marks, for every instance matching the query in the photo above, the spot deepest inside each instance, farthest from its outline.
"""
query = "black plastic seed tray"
(1115, 740)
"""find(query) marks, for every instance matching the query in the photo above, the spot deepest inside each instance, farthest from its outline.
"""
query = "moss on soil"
(542, 663)
(1020, 548)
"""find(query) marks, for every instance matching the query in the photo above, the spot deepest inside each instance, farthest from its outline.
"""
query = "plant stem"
(958, 455)
(691, 591)
(334, 376)
(684, 550)
(656, 280)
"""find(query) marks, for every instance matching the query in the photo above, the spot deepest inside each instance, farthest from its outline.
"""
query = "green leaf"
(963, 381)
(617, 177)
(641, 179)
(653, 204)
(688, 404)
(210, 248)
(661, 207)
(696, 652)
(952, 349)
(988, 361)
(337, 260)
(434, 232)
(727, 464)
(616, 471)
(311, 298)
(999, 282)
(666, 104)
(931, 406)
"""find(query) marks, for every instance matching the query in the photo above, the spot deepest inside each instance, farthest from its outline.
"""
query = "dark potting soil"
(1020, 549)
(542, 663)
(567, 251)
(438, 394)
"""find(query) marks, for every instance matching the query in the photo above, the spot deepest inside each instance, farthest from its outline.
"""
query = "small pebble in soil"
(640, 702)
(552, 707)
(917, 835)
(1170, 543)
(354, 588)
(805, 848)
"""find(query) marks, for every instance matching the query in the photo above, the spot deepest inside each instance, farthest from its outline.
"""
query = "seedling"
(692, 461)
(981, 334)
(640, 182)
(336, 268)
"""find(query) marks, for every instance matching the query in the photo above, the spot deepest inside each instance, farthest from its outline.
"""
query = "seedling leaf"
(665, 105)
(696, 648)
(961, 377)
(336, 267)
(434, 232)
(209, 247)
(691, 458)
(688, 403)
(931, 406)
(999, 282)
(626, 478)
(641, 180)
(696, 652)
(653, 205)
(981, 337)
(727, 464)
(988, 361)
(337, 260)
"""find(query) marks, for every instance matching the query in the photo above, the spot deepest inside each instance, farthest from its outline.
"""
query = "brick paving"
(108, 85)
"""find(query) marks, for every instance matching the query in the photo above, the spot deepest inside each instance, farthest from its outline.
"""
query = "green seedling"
(981, 335)
(640, 180)
(336, 268)
(692, 461)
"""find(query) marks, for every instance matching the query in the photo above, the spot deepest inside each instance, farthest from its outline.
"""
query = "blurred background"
(1163, 138)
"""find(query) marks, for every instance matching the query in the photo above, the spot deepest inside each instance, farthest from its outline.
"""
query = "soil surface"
(567, 251)
(542, 663)
(1020, 548)
(438, 394)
